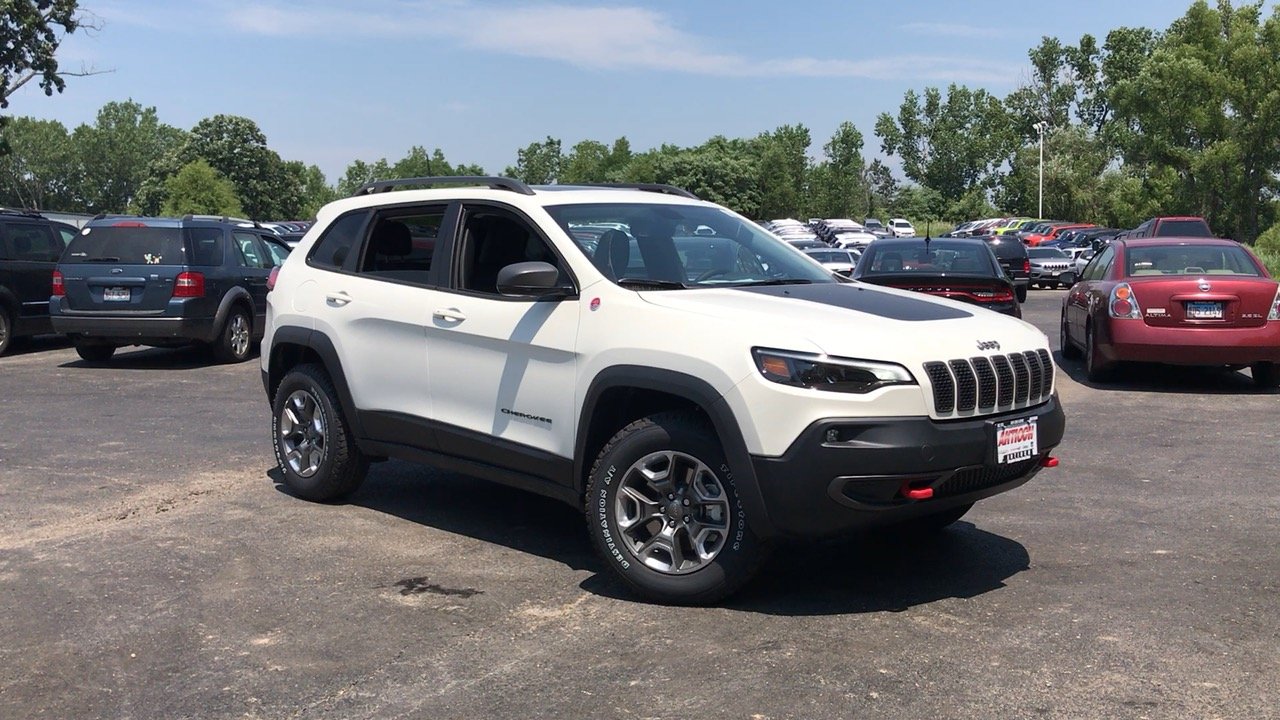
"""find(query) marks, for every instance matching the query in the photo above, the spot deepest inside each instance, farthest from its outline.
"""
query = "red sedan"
(1181, 301)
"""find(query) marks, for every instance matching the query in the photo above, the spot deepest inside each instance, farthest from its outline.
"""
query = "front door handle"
(449, 314)
(338, 299)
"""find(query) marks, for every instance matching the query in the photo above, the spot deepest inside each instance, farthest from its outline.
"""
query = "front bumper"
(136, 330)
(827, 485)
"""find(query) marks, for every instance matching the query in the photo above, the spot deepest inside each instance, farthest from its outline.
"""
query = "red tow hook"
(911, 493)
(1048, 461)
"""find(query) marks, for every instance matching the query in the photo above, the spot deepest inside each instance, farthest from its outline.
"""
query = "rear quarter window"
(139, 245)
(339, 241)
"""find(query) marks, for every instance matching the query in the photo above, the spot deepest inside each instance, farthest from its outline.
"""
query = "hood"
(857, 320)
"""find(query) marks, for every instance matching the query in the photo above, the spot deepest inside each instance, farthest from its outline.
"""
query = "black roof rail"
(647, 187)
(496, 183)
(25, 212)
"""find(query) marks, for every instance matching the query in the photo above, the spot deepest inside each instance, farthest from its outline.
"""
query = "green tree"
(950, 144)
(782, 168)
(236, 148)
(116, 153)
(538, 163)
(200, 190)
(37, 171)
(316, 191)
(839, 185)
(30, 33)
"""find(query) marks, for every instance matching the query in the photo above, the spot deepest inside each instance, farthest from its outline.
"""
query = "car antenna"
(927, 225)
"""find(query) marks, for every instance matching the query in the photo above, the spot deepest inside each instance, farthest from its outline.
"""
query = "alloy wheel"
(302, 433)
(239, 335)
(672, 512)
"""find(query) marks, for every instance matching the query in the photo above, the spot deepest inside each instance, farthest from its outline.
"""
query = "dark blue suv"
(165, 282)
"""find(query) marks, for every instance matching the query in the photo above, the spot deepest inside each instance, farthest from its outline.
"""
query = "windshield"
(675, 246)
(1046, 254)
(141, 245)
(1189, 260)
(937, 256)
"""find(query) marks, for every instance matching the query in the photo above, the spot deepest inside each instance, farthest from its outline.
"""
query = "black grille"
(1004, 376)
(944, 388)
(990, 383)
(980, 478)
(966, 385)
(1021, 378)
(986, 383)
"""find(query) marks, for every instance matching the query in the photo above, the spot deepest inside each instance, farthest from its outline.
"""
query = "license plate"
(1016, 440)
(1204, 311)
(115, 294)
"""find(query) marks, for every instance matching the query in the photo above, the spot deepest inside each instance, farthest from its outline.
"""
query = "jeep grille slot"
(990, 383)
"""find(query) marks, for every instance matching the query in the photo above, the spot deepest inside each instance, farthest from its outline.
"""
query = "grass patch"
(1270, 258)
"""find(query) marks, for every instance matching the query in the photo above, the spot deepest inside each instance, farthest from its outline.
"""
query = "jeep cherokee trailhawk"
(697, 386)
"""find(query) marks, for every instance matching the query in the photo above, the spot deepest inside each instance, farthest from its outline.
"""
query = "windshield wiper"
(774, 281)
(648, 284)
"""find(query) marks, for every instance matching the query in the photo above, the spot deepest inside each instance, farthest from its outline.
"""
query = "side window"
(278, 251)
(493, 239)
(1101, 262)
(335, 246)
(250, 251)
(33, 243)
(402, 244)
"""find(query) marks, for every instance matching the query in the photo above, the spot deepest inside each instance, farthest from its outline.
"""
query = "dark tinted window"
(493, 239)
(138, 245)
(335, 246)
(938, 256)
(402, 244)
(30, 242)
(1008, 250)
(1182, 228)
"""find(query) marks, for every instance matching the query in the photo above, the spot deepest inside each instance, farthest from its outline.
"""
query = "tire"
(6, 330)
(314, 448)
(1266, 375)
(95, 352)
(928, 524)
(1021, 293)
(1068, 279)
(646, 530)
(236, 338)
(1095, 368)
(1069, 351)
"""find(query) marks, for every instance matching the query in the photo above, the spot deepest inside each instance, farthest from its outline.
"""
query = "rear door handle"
(338, 299)
(449, 314)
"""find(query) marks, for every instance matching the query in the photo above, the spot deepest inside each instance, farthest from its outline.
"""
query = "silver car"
(1050, 267)
(836, 260)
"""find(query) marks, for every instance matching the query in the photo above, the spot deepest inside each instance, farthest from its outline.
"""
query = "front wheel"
(314, 447)
(664, 512)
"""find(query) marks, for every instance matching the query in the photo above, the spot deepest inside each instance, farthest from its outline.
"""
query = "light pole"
(1040, 128)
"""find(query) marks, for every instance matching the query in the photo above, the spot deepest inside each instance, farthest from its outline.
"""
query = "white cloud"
(605, 38)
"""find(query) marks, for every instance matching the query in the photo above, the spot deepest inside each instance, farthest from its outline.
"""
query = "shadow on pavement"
(873, 573)
(149, 358)
(1152, 377)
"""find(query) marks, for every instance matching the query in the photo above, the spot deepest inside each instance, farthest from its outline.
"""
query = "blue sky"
(330, 81)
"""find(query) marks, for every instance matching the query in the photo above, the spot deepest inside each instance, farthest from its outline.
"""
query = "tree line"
(1184, 120)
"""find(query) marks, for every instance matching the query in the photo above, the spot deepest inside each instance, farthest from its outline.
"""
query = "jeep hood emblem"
(988, 345)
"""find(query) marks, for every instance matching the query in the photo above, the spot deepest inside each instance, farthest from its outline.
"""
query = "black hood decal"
(864, 299)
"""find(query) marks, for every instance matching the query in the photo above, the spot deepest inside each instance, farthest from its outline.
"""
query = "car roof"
(171, 222)
(542, 196)
(1176, 240)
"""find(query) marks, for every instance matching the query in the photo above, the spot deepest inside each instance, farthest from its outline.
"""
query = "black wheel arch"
(235, 296)
(650, 389)
(293, 346)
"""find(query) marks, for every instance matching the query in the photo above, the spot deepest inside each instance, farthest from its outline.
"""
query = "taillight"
(1001, 295)
(60, 289)
(1275, 306)
(1026, 265)
(271, 279)
(189, 285)
(1123, 304)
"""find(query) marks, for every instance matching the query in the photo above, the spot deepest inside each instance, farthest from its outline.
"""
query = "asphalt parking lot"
(150, 567)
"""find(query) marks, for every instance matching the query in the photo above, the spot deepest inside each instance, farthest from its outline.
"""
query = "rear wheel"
(95, 352)
(1265, 374)
(314, 447)
(1021, 292)
(232, 345)
(664, 512)
(6, 330)
(1097, 369)
(1069, 351)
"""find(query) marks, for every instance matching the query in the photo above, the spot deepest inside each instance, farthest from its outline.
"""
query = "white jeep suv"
(697, 394)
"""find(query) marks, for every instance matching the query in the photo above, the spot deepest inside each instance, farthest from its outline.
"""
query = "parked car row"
(128, 280)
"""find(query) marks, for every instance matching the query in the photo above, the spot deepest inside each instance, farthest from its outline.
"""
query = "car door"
(255, 265)
(374, 304)
(503, 367)
(33, 251)
(1082, 296)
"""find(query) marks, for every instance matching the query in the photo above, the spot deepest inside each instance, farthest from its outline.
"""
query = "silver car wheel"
(672, 512)
(239, 335)
(302, 433)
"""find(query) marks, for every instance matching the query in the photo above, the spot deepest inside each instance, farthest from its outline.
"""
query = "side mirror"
(530, 279)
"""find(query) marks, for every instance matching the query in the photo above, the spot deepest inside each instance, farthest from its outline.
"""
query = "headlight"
(828, 373)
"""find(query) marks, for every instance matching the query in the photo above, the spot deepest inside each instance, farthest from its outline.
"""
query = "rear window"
(1189, 260)
(1182, 228)
(971, 258)
(129, 245)
(1008, 250)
